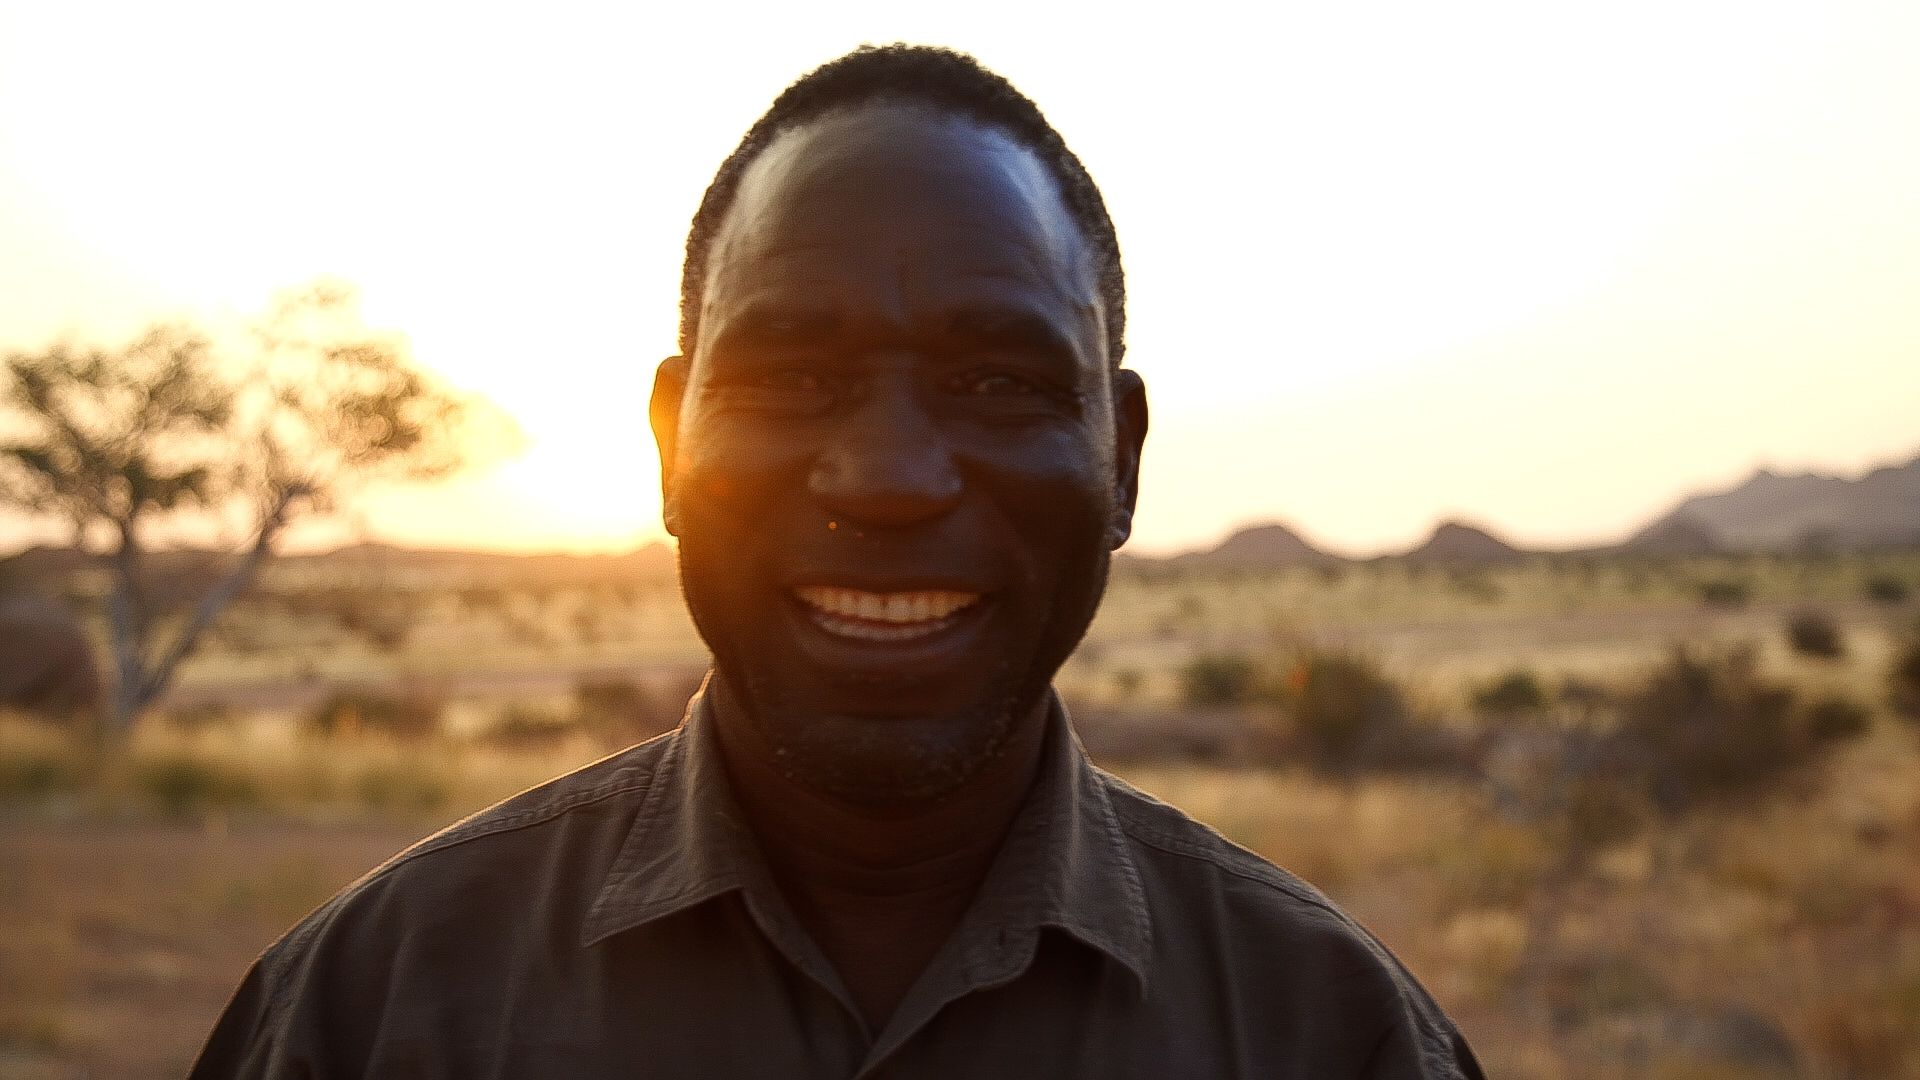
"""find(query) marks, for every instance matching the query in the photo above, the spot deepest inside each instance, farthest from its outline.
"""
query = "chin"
(884, 760)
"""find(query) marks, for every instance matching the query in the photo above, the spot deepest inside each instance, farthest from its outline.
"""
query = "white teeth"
(882, 616)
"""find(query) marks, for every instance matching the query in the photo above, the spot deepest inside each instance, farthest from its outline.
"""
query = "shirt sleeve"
(243, 1042)
(1402, 1054)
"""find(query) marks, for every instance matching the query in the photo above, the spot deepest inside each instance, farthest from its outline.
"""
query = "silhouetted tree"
(114, 441)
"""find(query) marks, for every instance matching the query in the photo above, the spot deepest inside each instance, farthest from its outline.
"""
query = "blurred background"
(1529, 541)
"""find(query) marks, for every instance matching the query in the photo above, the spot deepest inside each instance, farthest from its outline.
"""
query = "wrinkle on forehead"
(898, 156)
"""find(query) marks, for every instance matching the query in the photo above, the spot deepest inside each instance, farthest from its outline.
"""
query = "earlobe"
(1129, 437)
(663, 413)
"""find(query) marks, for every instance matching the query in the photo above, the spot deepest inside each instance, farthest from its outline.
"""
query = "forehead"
(898, 188)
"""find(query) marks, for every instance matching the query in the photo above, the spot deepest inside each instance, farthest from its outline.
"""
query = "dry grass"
(267, 771)
(125, 938)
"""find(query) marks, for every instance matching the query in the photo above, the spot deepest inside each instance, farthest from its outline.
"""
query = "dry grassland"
(1773, 935)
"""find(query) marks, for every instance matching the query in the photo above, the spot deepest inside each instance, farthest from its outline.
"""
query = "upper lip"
(884, 581)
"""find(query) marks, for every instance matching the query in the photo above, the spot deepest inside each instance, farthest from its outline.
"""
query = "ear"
(663, 412)
(1129, 435)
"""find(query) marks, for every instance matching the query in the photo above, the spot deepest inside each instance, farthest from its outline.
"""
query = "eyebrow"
(1010, 326)
(998, 325)
(781, 321)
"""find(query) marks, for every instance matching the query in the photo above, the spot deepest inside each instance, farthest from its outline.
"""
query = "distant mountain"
(1259, 547)
(1808, 511)
(1455, 543)
(1679, 533)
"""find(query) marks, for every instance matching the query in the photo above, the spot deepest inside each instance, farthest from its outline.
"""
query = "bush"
(404, 716)
(200, 717)
(402, 787)
(1217, 680)
(1350, 717)
(529, 729)
(1836, 718)
(1813, 634)
(1725, 593)
(1476, 586)
(181, 785)
(36, 769)
(620, 712)
(1513, 694)
(1706, 725)
(1887, 590)
(1903, 679)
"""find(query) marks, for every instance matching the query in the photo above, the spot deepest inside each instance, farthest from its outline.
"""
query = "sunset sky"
(1543, 266)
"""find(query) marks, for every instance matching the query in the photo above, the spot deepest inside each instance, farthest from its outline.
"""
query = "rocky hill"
(1456, 543)
(1259, 547)
(1772, 511)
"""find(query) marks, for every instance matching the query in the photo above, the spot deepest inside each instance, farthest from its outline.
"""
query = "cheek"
(722, 465)
(1059, 471)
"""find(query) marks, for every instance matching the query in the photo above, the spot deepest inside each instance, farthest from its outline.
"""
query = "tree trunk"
(140, 679)
(127, 632)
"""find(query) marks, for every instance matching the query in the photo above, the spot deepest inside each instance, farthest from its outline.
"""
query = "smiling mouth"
(891, 616)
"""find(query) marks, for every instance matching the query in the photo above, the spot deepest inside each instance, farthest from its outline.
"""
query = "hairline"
(1087, 255)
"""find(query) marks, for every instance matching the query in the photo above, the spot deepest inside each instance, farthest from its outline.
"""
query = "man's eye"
(995, 384)
(790, 380)
(779, 390)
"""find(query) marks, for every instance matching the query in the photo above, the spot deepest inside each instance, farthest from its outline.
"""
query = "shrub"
(1707, 725)
(181, 785)
(1887, 590)
(1583, 694)
(1836, 718)
(402, 787)
(1811, 633)
(35, 764)
(529, 729)
(1217, 680)
(1513, 694)
(1903, 679)
(1476, 586)
(1726, 593)
(384, 622)
(397, 715)
(200, 717)
(619, 712)
(1350, 717)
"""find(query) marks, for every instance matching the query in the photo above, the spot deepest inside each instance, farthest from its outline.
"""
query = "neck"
(813, 839)
(879, 887)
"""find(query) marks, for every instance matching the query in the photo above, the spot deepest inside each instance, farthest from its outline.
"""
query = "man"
(897, 450)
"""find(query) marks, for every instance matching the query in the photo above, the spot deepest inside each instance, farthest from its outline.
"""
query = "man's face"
(896, 459)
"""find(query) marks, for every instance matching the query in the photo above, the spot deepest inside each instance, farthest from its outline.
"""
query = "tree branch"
(155, 679)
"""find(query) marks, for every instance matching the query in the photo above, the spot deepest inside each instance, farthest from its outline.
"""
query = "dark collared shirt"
(620, 921)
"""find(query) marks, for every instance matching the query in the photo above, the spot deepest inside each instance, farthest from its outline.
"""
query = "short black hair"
(949, 81)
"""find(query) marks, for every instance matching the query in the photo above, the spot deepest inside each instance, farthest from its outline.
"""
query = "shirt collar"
(1064, 863)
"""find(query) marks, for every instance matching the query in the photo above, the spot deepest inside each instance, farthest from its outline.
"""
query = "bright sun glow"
(1545, 266)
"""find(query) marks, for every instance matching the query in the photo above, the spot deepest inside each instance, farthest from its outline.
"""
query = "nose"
(888, 462)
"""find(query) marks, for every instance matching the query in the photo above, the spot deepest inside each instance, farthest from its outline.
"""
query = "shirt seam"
(628, 778)
(1177, 845)
(1431, 1034)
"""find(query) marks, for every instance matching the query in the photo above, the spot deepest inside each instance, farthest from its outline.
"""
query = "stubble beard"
(885, 762)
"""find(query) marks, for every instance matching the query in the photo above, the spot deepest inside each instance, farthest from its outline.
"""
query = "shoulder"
(1167, 830)
(1276, 936)
(462, 912)
(544, 850)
